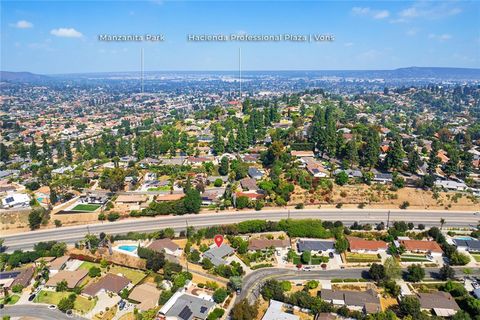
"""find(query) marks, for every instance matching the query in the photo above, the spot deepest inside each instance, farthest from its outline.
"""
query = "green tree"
(393, 269)
(244, 311)
(415, 273)
(341, 178)
(413, 161)
(224, 166)
(377, 272)
(341, 245)
(66, 304)
(37, 216)
(112, 179)
(242, 202)
(62, 286)
(395, 155)
(410, 306)
(447, 272)
(220, 295)
(94, 272)
(192, 201)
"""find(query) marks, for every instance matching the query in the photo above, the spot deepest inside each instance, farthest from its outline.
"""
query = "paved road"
(36, 312)
(71, 234)
(253, 282)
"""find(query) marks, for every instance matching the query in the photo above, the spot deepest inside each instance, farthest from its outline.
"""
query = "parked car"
(32, 296)
(52, 307)
(330, 254)
(121, 304)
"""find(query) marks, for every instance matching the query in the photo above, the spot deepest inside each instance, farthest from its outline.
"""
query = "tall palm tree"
(442, 222)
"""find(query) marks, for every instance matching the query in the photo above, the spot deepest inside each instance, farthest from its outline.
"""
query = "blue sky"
(61, 36)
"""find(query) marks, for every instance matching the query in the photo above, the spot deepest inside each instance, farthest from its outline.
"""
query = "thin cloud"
(429, 10)
(23, 24)
(440, 37)
(412, 32)
(66, 33)
(368, 12)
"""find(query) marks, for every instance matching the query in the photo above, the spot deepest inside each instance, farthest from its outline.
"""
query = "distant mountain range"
(411, 73)
(21, 76)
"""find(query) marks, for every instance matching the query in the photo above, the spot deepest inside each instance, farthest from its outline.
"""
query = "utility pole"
(186, 234)
(388, 219)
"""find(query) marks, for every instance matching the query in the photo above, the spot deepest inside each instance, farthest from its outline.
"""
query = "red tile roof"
(363, 244)
(419, 245)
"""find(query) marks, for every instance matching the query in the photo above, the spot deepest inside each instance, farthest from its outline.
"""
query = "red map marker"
(218, 240)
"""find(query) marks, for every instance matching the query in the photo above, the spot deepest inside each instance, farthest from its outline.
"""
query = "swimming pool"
(463, 238)
(128, 248)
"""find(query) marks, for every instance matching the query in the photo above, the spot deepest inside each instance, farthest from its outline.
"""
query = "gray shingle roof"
(314, 245)
(188, 307)
(216, 254)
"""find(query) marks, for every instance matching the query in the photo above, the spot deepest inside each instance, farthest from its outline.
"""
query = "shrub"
(112, 216)
(220, 295)
(404, 205)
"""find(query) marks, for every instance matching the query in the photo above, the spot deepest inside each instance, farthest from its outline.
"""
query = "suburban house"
(43, 195)
(211, 196)
(93, 198)
(382, 178)
(146, 294)
(249, 184)
(351, 173)
(186, 307)
(132, 201)
(441, 303)
(276, 311)
(255, 173)
(264, 244)
(249, 195)
(109, 283)
(16, 200)
(315, 246)
(216, 254)
(58, 264)
(166, 245)
(367, 301)
(360, 245)
(419, 246)
(451, 185)
(302, 154)
(170, 197)
(73, 278)
(467, 245)
(8, 279)
(317, 170)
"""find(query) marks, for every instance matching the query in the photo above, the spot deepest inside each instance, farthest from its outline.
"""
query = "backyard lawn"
(86, 207)
(476, 256)
(135, 276)
(361, 257)
(86, 265)
(82, 304)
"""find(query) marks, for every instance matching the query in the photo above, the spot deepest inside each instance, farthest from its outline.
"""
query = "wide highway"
(71, 234)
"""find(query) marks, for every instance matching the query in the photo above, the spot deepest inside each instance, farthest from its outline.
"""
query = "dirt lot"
(380, 196)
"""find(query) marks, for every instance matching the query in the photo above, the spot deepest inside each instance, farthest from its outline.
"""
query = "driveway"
(103, 302)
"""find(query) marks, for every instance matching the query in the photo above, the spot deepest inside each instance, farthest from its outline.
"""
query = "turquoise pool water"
(128, 248)
(464, 238)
